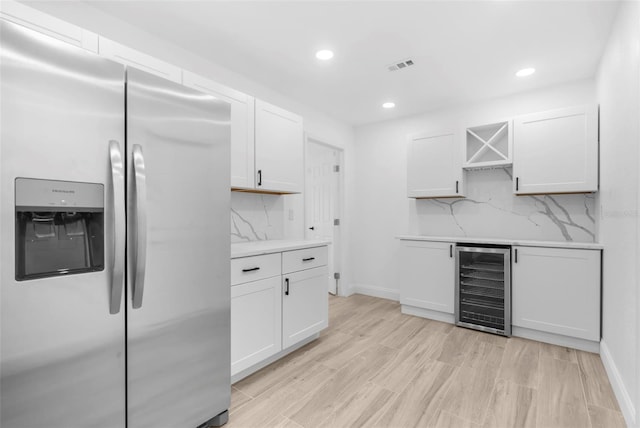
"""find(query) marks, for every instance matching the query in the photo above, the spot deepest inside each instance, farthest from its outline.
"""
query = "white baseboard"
(371, 290)
(428, 313)
(346, 290)
(624, 400)
(556, 339)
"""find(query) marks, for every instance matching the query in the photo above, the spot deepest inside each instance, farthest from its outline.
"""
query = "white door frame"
(337, 235)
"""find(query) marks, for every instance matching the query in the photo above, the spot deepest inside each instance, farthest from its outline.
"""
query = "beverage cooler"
(483, 288)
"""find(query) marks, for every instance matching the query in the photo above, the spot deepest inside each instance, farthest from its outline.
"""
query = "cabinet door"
(242, 128)
(434, 166)
(557, 290)
(279, 149)
(49, 25)
(556, 151)
(427, 275)
(256, 324)
(131, 57)
(305, 305)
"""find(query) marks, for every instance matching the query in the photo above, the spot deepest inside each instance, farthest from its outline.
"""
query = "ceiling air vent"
(399, 65)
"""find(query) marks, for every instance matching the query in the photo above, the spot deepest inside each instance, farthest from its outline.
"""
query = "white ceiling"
(464, 51)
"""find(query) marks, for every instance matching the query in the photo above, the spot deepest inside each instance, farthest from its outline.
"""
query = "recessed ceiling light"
(526, 72)
(388, 105)
(324, 54)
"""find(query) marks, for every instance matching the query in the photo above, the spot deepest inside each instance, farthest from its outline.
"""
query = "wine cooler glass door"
(483, 284)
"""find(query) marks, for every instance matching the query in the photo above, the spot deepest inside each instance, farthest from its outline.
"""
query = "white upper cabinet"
(557, 290)
(278, 149)
(131, 57)
(556, 151)
(242, 127)
(46, 24)
(434, 166)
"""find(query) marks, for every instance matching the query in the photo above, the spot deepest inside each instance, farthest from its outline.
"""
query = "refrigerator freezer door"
(179, 325)
(62, 351)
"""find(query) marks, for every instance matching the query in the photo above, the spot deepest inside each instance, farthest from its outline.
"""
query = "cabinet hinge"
(336, 168)
(336, 222)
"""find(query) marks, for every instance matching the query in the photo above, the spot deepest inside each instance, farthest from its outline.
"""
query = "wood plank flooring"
(375, 367)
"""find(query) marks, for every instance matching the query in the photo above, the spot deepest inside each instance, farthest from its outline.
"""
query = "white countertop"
(255, 248)
(495, 241)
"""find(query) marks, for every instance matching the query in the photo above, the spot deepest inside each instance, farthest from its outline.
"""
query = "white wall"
(618, 83)
(380, 209)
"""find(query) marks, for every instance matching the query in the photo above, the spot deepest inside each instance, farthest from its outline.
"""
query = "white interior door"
(322, 201)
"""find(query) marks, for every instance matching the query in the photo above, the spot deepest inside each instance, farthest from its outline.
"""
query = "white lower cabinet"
(305, 309)
(277, 301)
(256, 322)
(427, 275)
(557, 290)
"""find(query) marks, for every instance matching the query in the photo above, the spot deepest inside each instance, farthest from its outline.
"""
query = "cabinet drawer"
(307, 258)
(246, 269)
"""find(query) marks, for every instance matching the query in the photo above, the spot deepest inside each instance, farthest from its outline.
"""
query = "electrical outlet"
(291, 216)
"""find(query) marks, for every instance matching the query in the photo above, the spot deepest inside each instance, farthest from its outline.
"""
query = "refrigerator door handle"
(140, 219)
(117, 256)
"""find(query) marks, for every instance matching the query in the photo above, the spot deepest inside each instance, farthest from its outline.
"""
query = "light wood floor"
(375, 367)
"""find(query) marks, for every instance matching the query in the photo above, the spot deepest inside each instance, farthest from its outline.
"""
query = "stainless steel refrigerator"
(114, 215)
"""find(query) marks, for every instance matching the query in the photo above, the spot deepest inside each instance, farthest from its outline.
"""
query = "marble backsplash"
(491, 209)
(256, 217)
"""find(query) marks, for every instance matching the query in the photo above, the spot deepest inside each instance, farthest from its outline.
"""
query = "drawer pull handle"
(286, 283)
(251, 269)
(308, 259)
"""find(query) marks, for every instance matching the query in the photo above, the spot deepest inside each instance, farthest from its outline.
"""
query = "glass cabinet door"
(483, 289)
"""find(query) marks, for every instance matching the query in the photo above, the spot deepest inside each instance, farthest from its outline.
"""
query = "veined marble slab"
(255, 248)
(256, 217)
(491, 209)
